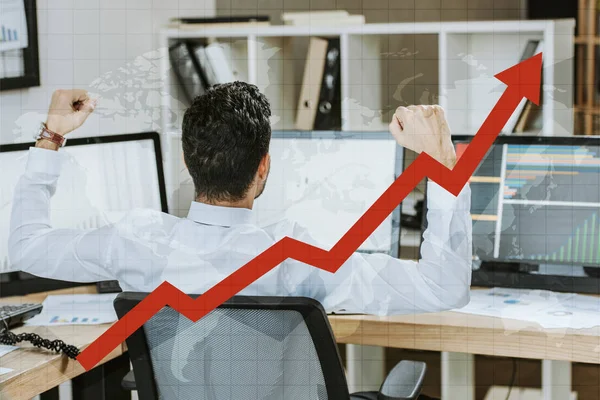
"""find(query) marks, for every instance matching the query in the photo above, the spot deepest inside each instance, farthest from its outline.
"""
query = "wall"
(382, 10)
(104, 46)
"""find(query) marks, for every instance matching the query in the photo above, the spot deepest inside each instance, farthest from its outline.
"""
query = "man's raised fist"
(68, 110)
(424, 129)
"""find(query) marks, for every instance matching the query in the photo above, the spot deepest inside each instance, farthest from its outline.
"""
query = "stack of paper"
(322, 18)
(4, 350)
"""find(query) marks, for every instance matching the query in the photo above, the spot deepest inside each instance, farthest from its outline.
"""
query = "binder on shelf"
(518, 120)
(329, 110)
(186, 70)
(523, 118)
(199, 66)
(205, 65)
(319, 105)
(221, 65)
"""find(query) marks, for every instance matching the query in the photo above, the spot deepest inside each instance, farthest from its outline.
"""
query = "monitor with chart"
(536, 202)
(326, 180)
(101, 179)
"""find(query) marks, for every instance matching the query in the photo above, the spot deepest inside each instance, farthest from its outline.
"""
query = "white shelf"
(465, 56)
(366, 29)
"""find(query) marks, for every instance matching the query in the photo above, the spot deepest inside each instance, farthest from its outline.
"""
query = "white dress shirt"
(148, 247)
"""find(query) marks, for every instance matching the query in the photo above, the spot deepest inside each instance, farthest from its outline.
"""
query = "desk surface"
(35, 370)
(466, 333)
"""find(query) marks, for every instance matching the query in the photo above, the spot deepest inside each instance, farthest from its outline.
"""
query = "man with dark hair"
(225, 140)
(226, 135)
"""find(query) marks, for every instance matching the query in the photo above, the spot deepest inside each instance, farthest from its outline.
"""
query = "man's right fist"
(424, 128)
(68, 110)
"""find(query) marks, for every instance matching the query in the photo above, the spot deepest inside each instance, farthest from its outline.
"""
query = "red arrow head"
(525, 77)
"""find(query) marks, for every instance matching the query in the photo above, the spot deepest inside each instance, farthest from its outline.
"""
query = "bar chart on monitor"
(538, 203)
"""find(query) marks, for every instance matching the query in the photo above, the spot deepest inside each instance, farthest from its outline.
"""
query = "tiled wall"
(88, 44)
(382, 10)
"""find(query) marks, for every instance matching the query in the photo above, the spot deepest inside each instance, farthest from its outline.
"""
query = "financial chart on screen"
(326, 180)
(100, 180)
(538, 202)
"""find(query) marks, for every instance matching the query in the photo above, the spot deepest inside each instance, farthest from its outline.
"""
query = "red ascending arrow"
(523, 80)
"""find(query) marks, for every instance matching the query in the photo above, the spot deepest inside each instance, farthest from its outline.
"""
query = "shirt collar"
(221, 216)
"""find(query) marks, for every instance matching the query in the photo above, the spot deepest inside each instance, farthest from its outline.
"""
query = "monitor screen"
(325, 181)
(537, 201)
(101, 179)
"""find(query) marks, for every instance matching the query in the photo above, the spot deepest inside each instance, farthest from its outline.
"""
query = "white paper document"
(5, 349)
(78, 309)
(546, 308)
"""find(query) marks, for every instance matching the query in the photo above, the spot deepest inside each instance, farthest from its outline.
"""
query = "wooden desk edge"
(533, 343)
(45, 376)
(49, 373)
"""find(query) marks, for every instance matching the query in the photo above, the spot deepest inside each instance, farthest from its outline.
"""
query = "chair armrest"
(404, 382)
(128, 382)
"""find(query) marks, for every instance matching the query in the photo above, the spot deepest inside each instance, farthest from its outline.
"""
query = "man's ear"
(263, 167)
(183, 159)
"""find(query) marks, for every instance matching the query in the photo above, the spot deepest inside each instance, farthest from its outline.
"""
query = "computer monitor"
(326, 180)
(101, 179)
(536, 213)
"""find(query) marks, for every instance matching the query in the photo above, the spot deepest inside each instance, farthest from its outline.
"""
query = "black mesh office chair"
(248, 348)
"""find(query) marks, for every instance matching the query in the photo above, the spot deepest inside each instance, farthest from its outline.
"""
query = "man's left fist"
(424, 128)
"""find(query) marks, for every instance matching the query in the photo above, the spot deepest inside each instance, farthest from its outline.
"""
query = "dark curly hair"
(226, 133)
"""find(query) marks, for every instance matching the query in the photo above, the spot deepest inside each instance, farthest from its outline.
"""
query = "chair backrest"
(248, 348)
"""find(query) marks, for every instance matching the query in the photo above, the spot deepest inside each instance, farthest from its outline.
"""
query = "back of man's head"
(225, 135)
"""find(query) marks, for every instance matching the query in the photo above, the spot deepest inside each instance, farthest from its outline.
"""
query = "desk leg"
(103, 382)
(458, 376)
(365, 367)
(556, 380)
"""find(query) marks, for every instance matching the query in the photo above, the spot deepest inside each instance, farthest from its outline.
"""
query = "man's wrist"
(47, 135)
(53, 125)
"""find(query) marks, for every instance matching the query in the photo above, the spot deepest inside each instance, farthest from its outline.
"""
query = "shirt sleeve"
(36, 247)
(383, 285)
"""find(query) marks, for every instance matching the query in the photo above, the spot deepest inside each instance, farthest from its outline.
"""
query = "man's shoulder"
(285, 227)
(146, 219)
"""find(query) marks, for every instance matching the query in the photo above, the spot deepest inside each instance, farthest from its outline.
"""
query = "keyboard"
(12, 315)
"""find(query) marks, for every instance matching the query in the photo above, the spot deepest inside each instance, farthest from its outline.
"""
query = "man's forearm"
(38, 248)
(31, 203)
(447, 246)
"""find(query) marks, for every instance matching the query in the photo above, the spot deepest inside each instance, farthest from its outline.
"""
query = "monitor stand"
(535, 276)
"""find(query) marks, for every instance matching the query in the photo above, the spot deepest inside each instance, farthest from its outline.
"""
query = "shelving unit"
(463, 65)
(469, 54)
(587, 101)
